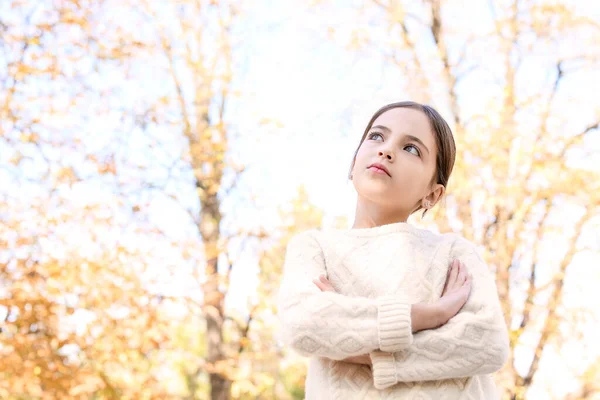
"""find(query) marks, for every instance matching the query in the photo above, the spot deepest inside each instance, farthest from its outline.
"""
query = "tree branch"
(551, 324)
(531, 291)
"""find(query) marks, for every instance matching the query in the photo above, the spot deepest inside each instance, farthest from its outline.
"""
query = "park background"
(157, 155)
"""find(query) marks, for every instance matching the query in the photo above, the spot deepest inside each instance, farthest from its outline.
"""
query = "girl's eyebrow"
(410, 137)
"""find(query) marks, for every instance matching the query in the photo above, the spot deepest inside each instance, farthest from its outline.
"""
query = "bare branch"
(168, 52)
(550, 324)
(531, 286)
(450, 79)
(246, 330)
(573, 140)
(410, 43)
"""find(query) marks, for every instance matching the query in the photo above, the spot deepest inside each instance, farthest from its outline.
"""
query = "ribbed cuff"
(384, 369)
(394, 323)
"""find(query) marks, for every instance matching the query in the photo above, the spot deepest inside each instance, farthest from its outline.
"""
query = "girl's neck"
(371, 215)
(361, 224)
(386, 229)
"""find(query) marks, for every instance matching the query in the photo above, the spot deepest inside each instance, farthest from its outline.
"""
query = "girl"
(385, 309)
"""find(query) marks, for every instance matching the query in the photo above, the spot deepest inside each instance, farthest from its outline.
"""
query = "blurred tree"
(524, 183)
(262, 373)
(196, 47)
(82, 311)
(590, 384)
(104, 104)
(67, 64)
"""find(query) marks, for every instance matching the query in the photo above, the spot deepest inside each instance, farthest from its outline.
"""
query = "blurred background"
(157, 155)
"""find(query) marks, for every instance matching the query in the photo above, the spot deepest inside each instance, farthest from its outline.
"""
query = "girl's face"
(402, 141)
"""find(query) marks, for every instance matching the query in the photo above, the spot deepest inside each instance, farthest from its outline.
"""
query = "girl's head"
(415, 145)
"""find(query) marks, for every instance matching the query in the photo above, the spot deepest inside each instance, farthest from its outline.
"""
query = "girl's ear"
(437, 191)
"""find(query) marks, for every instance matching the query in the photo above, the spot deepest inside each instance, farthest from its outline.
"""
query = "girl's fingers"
(318, 284)
(466, 289)
(453, 273)
(324, 284)
(459, 274)
(448, 283)
(462, 275)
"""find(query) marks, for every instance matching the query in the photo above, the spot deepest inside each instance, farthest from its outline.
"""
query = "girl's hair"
(444, 140)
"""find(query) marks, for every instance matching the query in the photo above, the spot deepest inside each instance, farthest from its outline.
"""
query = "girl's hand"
(365, 359)
(430, 316)
(455, 294)
(326, 286)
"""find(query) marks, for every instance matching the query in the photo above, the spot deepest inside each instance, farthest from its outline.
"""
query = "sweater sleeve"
(327, 324)
(474, 342)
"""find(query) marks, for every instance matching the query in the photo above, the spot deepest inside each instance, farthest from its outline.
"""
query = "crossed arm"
(328, 324)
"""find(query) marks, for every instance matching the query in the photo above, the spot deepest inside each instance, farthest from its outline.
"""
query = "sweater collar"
(385, 229)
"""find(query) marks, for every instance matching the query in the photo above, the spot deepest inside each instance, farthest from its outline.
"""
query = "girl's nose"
(387, 154)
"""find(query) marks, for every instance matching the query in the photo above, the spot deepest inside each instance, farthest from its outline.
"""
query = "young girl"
(385, 309)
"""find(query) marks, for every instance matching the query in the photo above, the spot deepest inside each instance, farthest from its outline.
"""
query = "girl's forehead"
(406, 121)
(403, 116)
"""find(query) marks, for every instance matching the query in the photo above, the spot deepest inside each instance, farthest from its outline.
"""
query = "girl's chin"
(377, 185)
(376, 193)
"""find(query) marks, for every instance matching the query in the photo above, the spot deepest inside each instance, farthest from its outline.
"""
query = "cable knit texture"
(377, 274)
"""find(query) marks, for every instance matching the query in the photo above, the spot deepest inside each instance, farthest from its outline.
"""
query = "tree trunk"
(213, 307)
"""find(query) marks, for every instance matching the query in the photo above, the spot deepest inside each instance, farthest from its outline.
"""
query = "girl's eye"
(415, 148)
(373, 134)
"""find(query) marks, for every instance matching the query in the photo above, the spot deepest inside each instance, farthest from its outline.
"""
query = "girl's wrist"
(424, 316)
(364, 359)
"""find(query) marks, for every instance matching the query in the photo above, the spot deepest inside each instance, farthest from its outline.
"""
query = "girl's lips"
(377, 170)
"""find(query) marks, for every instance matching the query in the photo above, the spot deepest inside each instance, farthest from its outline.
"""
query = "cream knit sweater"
(377, 274)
